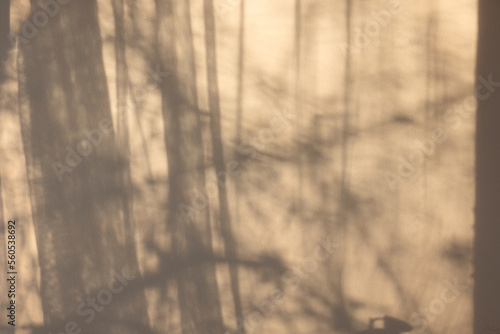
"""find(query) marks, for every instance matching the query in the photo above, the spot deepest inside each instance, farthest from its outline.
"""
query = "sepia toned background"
(252, 166)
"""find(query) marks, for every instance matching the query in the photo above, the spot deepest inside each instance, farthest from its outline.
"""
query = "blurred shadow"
(78, 208)
(390, 326)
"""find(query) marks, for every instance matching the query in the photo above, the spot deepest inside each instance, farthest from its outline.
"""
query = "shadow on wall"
(390, 326)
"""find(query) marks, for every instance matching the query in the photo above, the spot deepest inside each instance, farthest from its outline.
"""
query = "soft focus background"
(363, 151)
